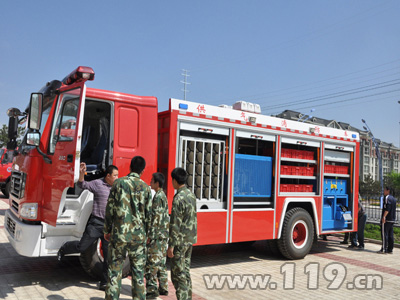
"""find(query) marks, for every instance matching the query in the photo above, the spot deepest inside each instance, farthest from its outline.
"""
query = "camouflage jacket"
(183, 224)
(159, 217)
(128, 211)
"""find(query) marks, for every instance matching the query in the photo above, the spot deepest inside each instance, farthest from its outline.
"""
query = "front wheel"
(92, 261)
(6, 190)
(297, 234)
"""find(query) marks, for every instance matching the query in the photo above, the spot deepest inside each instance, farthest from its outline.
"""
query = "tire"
(92, 261)
(6, 190)
(272, 248)
(297, 234)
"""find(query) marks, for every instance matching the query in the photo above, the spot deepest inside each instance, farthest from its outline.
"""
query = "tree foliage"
(369, 187)
(393, 181)
(4, 135)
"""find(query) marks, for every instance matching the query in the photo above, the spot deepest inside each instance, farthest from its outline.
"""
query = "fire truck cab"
(255, 177)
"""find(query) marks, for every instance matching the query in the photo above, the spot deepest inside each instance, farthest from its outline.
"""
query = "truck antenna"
(185, 76)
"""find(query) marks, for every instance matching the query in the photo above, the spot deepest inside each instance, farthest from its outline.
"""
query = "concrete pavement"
(237, 271)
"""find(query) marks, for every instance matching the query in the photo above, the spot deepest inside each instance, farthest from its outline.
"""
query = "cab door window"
(65, 126)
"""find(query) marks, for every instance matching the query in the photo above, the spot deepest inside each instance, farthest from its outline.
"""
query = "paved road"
(330, 271)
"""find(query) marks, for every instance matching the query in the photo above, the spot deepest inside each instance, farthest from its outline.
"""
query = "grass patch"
(373, 231)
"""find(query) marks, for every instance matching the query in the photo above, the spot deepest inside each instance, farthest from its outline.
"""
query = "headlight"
(29, 210)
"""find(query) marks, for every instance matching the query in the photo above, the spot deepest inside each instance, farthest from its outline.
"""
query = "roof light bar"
(78, 75)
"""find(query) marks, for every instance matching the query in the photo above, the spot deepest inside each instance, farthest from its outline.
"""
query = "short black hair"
(110, 169)
(159, 177)
(389, 188)
(138, 164)
(180, 175)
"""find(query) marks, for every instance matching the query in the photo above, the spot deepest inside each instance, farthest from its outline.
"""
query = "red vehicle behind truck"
(255, 177)
(6, 158)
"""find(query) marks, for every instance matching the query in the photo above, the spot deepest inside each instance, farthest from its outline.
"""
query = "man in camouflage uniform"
(182, 234)
(126, 225)
(157, 241)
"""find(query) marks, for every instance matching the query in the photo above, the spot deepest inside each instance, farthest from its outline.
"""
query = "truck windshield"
(1, 153)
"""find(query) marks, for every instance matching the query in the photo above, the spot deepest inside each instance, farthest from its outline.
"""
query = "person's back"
(185, 203)
(182, 234)
(128, 213)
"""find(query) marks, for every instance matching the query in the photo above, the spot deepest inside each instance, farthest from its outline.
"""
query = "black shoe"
(389, 252)
(102, 286)
(360, 247)
(352, 246)
(60, 254)
(163, 293)
(344, 242)
(381, 252)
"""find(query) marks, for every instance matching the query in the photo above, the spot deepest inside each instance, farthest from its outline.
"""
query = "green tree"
(4, 135)
(369, 187)
(393, 181)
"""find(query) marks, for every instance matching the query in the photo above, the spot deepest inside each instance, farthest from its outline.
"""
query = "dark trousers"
(388, 239)
(93, 231)
(359, 235)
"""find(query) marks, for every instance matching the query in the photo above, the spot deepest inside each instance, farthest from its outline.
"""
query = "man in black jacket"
(388, 219)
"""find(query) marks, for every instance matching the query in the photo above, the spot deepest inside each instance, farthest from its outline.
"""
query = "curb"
(372, 241)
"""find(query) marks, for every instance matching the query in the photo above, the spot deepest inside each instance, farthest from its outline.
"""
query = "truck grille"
(18, 180)
(10, 225)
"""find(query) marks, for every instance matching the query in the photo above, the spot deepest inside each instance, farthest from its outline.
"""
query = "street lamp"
(378, 153)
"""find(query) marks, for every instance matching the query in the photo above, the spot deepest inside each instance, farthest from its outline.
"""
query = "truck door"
(63, 150)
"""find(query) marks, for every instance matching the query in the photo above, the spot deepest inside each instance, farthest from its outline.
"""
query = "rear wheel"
(297, 234)
(272, 247)
(92, 261)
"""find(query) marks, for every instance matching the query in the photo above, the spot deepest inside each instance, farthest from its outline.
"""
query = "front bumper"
(25, 238)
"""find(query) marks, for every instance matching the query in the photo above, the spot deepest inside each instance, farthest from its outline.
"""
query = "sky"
(339, 58)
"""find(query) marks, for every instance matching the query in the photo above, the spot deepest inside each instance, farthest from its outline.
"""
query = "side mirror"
(12, 133)
(33, 139)
(35, 111)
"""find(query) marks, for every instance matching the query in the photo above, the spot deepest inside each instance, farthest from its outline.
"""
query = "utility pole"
(185, 76)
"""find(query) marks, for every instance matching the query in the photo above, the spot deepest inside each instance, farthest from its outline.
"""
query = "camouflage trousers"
(180, 272)
(117, 253)
(156, 267)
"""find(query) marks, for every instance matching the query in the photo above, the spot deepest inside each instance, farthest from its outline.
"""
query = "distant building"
(369, 163)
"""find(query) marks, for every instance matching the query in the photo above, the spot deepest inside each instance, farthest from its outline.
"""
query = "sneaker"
(163, 292)
(344, 242)
(381, 252)
(60, 254)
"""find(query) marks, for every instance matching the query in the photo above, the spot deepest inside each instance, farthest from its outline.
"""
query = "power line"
(345, 100)
(339, 94)
(313, 84)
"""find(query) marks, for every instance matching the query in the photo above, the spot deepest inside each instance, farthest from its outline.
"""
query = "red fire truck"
(255, 177)
(6, 158)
